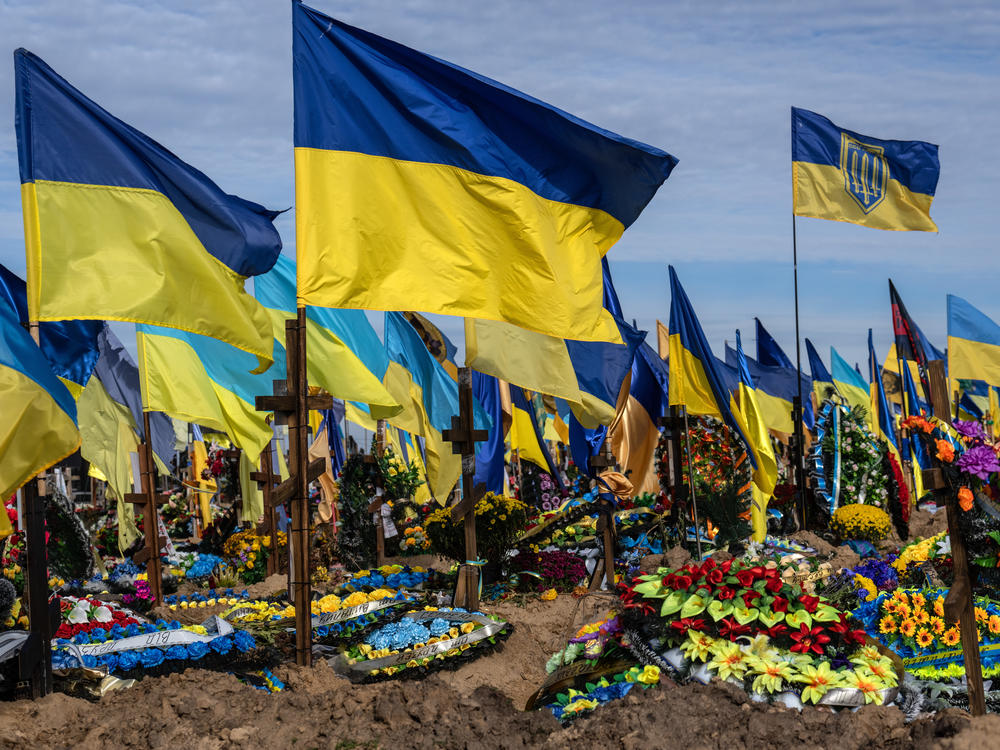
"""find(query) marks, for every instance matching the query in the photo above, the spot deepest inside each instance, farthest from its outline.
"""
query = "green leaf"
(694, 605)
(795, 620)
(770, 619)
(718, 609)
(651, 589)
(759, 586)
(744, 615)
(672, 603)
(826, 613)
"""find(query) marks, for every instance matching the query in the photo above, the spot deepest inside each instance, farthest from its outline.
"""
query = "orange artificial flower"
(965, 499)
(945, 451)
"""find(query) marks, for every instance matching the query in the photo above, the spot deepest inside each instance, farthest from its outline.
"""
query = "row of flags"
(419, 185)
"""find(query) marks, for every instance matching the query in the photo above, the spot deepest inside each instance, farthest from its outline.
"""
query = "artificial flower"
(867, 683)
(818, 680)
(729, 660)
(809, 639)
(965, 499)
(945, 451)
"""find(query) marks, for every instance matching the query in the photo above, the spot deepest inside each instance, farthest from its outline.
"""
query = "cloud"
(710, 83)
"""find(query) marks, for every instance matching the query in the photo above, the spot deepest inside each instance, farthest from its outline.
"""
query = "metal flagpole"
(797, 405)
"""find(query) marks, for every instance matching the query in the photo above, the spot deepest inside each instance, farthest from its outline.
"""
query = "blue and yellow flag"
(120, 378)
(883, 420)
(588, 375)
(202, 380)
(973, 343)
(526, 435)
(765, 475)
(423, 186)
(841, 175)
(695, 380)
(344, 355)
(37, 413)
(436, 388)
(118, 228)
(769, 353)
(911, 343)
(776, 389)
(636, 432)
(821, 378)
(918, 453)
(490, 453)
(849, 383)
(70, 346)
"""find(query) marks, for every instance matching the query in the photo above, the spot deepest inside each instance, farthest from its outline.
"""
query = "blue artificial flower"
(81, 638)
(197, 649)
(150, 657)
(176, 653)
(244, 641)
(221, 645)
(132, 629)
(128, 660)
(109, 660)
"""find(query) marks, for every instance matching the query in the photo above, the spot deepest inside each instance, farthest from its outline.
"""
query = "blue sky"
(711, 83)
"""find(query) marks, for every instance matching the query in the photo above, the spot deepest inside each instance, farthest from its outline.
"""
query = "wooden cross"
(463, 438)
(148, 498)
(291, 403)
(605, 524)
(36, 583)
(959, 604)
(266, 481)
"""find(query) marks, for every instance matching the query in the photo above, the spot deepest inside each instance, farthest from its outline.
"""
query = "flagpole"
(797, 405)
(903, 433)
(694, 501)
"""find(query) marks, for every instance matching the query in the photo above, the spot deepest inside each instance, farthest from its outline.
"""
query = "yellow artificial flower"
(650, 675)
(867, 683)
(951, 637)
(887, 625)
(818, 680)
(907, 628)
(729, 660)
(770, 674)
(924, 638)
(698, 646)
(939, 606)
(549, 595)
(468, 627)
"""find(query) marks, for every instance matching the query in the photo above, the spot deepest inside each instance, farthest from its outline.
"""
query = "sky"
(711, 83)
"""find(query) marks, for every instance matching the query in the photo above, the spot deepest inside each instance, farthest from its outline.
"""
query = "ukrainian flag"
(108, 436)
(994, 409)
(695, 380)
(849, 383)
(490, 453)
(973, 343)
(118, 228)
(344, 355)
(588, 375)
(882, 416)
(436, 389)
(636, 431)
(38, 422)
(526, 435)
(841, 175)
(200, 379)
(70, 346)
(918, 453)
(437, 343)
(423, 186)
(769, 353)
(776, 388)
(765, 475)
(821, 379)
(119, 377)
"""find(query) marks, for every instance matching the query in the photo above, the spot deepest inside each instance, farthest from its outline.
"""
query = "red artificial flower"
(725, 593)
(809, 602)
(774, 585)
(668, 580)
(780, 604)
(682, 583)
(745, 577)
(729, 628)
(748, 598)
(809, 639)
(708, 565)
(726, 566)
(776, 631)
(688, 623)
(714, 577)
(844, 631)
